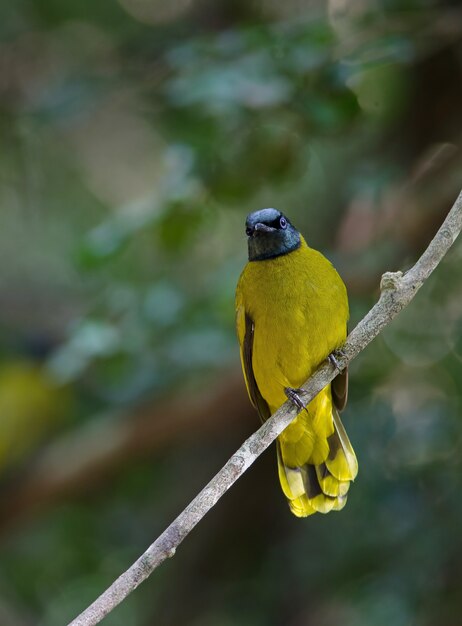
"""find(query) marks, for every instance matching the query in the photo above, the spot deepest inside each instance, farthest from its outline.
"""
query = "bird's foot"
(293, 396)
(333, 358)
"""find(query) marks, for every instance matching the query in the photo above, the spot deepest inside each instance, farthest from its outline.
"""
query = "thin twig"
(397, 290)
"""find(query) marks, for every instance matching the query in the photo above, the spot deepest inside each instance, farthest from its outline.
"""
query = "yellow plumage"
(295, 308)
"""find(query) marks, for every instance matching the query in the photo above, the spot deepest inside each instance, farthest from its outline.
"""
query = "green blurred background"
(135, 137)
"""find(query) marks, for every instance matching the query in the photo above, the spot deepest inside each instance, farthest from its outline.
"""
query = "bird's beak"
(260, 227)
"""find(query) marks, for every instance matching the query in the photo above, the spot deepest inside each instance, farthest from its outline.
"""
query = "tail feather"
(341, 461)
(290, 477)
(329, 484)
(340, 503)
(320, 501)
(320, 484)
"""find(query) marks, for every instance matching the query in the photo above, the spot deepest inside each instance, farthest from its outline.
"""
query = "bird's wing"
(245, 328)
(339, 389)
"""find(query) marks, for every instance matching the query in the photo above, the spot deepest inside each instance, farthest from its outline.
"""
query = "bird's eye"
(283, 222)
(248, 231)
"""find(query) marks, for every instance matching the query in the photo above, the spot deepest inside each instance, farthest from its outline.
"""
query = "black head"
(270, 234)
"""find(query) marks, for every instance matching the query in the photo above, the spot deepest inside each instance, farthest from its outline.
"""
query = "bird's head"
(270, 234)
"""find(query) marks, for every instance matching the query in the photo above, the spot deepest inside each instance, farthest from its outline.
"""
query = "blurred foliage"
(135, 137)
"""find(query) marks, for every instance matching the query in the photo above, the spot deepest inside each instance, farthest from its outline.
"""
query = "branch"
(397, 290)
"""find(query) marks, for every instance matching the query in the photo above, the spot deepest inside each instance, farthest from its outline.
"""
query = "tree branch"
(397, 290)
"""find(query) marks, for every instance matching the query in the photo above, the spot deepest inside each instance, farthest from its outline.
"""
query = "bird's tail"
(320, 484)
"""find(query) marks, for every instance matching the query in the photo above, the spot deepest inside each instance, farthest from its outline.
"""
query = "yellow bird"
(291, 314)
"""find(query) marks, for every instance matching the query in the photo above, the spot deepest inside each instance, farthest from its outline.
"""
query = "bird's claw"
(333, 358)
(293, 396)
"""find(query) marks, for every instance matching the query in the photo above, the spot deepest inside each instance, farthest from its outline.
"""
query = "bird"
(292, 314)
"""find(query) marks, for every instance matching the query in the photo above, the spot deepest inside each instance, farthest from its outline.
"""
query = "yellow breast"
(299, 306)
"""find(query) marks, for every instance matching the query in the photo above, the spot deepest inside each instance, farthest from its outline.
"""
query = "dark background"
(134, 138)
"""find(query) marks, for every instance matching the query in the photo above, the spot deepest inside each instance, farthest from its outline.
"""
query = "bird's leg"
(293, 396)
(333, 358)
